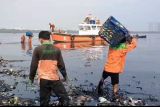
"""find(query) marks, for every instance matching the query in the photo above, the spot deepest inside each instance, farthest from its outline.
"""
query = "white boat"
(90, 26)
(88, 32)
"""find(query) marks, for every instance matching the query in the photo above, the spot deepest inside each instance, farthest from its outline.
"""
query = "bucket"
(113, 32)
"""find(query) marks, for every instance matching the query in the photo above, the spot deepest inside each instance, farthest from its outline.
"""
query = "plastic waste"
(103, 100)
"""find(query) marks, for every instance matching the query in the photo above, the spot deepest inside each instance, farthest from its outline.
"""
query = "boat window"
(94, 27)
(87, 28)
(84, 28)
(81, 28)
(92, 22)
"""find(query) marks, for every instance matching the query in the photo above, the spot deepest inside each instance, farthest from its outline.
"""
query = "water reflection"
(79, 45)
(84, 66)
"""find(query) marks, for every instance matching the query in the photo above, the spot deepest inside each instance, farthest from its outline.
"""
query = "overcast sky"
(67, 14)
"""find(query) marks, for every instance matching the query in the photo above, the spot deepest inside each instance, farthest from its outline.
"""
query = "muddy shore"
(138, 85)
(78, 94)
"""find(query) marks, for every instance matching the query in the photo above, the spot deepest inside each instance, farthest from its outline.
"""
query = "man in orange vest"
(47, 60)
(115, 64)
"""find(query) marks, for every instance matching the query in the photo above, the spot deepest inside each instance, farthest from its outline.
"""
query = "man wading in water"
(46, 60)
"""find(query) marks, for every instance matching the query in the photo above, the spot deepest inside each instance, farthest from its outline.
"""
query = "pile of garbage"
(7, 69)
(17, 101)
(3, 63)
(11, 72)
(9, 99)
(121, 102)
(81, 97)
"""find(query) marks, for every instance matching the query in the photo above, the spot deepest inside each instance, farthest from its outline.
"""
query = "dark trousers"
(114, 80)
(47, 86)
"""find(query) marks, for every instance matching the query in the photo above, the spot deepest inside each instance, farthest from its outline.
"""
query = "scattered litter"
(102, 100)
(80, 95)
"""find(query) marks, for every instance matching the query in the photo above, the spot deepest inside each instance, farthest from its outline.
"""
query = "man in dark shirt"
(47, 60)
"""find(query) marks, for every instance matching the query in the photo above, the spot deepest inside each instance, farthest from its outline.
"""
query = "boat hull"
(58, 37)
(79, 45)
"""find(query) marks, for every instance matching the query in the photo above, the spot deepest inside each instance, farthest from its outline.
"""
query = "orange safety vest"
(117, 57)
(47, 60)
(47, 69)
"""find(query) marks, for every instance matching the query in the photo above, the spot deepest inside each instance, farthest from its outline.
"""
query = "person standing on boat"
(115, 64)
(52, 27)
(47, 59)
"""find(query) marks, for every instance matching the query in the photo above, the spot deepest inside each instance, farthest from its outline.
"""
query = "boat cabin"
(90, 26)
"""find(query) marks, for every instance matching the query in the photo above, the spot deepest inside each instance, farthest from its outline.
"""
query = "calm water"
(140, 80)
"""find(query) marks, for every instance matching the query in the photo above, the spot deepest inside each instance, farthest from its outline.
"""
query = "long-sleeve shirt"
(47, 59)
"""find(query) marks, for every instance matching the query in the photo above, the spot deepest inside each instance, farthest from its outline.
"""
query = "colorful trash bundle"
(113, 32)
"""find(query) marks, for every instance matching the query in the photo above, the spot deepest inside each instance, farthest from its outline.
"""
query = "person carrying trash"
(115, 64)
(47, 59)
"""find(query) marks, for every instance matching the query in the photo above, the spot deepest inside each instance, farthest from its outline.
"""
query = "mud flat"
(139, 85)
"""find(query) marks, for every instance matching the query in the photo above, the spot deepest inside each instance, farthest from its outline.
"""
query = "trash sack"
(29, 34)
(113, 32)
